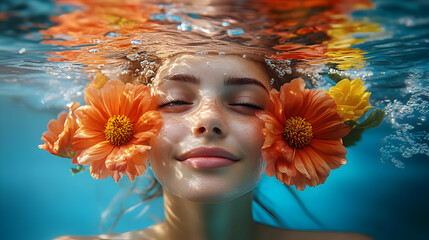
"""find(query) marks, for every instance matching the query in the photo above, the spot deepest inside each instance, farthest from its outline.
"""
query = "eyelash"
(181, 103)
(249, 105)
(173, 103)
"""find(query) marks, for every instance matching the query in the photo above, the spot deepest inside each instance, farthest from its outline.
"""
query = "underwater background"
(382, 191)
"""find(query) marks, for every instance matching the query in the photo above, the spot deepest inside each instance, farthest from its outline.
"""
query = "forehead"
(215, 67)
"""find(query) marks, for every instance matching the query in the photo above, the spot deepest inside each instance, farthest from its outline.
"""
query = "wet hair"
(143, 69)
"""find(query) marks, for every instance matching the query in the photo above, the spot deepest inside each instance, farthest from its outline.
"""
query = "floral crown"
(305, 130)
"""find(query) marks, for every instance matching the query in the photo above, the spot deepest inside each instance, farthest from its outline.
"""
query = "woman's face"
(208, 149)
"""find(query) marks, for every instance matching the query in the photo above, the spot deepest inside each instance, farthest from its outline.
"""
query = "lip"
(208, 158)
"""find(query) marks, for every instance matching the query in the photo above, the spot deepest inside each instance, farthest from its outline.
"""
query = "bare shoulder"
(152, 232)
(268, 232)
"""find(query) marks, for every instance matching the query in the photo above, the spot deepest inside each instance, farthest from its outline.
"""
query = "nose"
(209, 120)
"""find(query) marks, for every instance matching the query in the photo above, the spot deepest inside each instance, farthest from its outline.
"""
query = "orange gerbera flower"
(116, 126)
(303, 134)
(58, 139)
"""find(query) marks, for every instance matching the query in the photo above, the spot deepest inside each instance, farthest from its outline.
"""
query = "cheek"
(162, 147)
(249, 133)
(251, 141)
(171, 131)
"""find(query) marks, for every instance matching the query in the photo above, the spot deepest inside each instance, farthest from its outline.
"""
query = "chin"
(207, 191)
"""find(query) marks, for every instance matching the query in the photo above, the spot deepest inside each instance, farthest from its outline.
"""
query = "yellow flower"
(351, 98)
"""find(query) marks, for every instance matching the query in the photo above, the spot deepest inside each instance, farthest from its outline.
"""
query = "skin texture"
(213, 203)
(209, 114)
(216, 202)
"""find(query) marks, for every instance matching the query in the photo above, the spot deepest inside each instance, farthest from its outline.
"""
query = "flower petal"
(310, 163)
(95, 153)
(98, 170)
(80, 143)
(115, 99)
(116, 161)
(90, 118)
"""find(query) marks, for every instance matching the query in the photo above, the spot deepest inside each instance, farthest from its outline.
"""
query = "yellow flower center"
(298, 132)
(119, 130)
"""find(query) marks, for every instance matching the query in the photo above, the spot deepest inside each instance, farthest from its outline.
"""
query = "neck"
(185, 219)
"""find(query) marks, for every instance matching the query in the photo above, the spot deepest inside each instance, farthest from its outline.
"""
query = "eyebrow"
(183, 78)
(230, 81)
(243, 81)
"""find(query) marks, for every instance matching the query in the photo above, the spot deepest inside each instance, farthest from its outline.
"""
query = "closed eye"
(173, 103)
(247, 105)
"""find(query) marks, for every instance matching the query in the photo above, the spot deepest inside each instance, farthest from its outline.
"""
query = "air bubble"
(133, 57)
(193, 15)
(149, 73)
(185, 26)
(174, 18)
(125, 72)
(144, 63)
(135, 42)
(233, 32)
(112, 34)
(157, 17)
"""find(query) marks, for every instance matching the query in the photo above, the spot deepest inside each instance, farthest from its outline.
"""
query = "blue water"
(382, 191)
